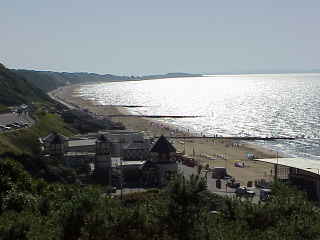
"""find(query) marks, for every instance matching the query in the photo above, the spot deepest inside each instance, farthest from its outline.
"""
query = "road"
(187, 172)
(211, 182)
(55, 96)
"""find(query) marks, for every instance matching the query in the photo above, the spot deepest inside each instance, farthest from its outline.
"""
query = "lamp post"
(225, 159)
(184, 144)
(276, 168)
(121, 168)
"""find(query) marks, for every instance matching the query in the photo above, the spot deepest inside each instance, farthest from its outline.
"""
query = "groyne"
(235, 138)
(153, 116)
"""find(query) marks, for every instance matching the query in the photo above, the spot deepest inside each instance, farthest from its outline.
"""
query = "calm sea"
(233, 105)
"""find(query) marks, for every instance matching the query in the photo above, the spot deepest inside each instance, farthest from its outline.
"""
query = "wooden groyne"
(153, 116)
(125, 106)
(235, 138)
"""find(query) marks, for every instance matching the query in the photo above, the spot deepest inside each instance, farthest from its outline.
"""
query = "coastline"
(201, 149)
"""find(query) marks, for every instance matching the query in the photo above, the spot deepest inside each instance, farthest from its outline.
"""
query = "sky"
(137, 37)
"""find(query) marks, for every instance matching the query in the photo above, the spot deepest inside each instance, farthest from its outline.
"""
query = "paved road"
(224, 191)
(188, 171)
(55, 96)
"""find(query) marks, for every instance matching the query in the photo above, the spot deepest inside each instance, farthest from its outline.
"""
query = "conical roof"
(57, 139)
(102, 138)
(52, 136)
(162, 146)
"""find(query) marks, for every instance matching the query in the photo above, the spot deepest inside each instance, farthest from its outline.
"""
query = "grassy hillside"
(25, 141)
(15, 89)
(48, 81)
(43, 80)
(23, 146)
(3, 108)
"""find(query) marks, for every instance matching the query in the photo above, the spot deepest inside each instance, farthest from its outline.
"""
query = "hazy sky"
(148, 36)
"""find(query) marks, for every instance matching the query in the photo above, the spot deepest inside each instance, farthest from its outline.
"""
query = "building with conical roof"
(163, 161)
(163, 146)
(163, 151)
(103, 159)
(56, 144)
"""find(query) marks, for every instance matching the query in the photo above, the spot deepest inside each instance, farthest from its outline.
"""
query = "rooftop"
(131, 163)
(308, 165)
(54, 138)
(58, 139)
(83, 142)
(102, 138)
(163, 146)
(136, 146)
(79, 154)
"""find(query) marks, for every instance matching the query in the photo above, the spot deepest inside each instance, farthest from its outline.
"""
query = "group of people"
(235, 145)
(172, 130)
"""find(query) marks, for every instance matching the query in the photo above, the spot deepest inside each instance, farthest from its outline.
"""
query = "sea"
(263, 105)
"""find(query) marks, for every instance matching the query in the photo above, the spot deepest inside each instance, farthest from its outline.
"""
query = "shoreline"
(201, 149)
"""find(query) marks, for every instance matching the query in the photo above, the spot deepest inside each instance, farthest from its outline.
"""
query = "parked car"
(233, 184)
(11, 125)
(25, 124)
(111, 190)
(7, 127)
(265, 194)
(244, 192)
(20, 124)
(227, 177)
(262, 183)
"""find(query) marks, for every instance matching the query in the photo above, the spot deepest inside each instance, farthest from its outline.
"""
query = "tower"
(103, 160)
(57, 146)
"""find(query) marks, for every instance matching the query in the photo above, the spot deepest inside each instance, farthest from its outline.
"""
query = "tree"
(185, 205)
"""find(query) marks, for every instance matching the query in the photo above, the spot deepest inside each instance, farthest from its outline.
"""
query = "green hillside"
(15, 89)
(48, 81)
(43, 80)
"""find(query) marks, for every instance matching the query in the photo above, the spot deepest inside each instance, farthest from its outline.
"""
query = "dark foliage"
(15, 89)
(35, 209)
(84, 122)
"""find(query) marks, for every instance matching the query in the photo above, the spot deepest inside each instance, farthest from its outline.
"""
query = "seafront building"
(303, 173)
(131, 145)
(140, 158)
(138, 155)
(161, 164)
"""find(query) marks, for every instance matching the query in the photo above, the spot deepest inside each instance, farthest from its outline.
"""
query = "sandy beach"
(223, 152)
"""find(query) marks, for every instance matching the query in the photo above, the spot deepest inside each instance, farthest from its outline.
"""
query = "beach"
(215, 152)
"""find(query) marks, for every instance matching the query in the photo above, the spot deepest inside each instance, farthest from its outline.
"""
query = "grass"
(25, 141)
(3, 108)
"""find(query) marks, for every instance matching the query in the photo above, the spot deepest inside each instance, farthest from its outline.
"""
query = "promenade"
(211, 183)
